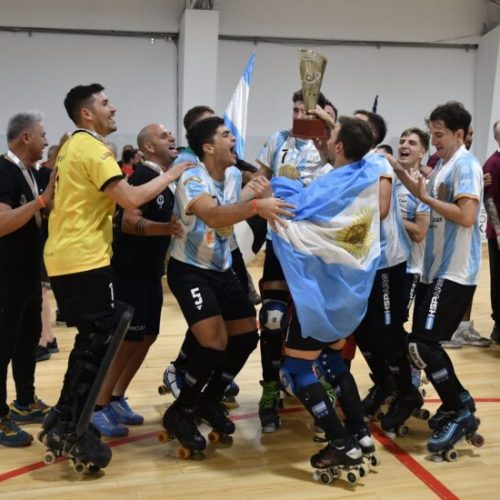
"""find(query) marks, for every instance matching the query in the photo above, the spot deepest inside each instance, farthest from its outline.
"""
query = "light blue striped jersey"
(453, 252)
(395, 244)
(410, 206)
(201, 245)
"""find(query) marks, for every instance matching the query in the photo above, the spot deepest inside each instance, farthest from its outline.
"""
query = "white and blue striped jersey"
(410, 206)
(395, 243)
(289, 156)
(453, 252)
(201, 245)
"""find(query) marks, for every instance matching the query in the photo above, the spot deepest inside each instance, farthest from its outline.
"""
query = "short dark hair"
(299, 96)
(79, 97)
(128, 155)
(454, 115)
(422, 135)
(194, 114)
(356, 136)
(377, 123)
(386, 147)
(335, 110)
(203, 132)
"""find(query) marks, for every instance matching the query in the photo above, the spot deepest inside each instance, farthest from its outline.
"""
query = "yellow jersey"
(80, 224)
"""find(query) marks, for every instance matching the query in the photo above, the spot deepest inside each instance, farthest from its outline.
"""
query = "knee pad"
(272, 315)
(330, 365)
(297, 374)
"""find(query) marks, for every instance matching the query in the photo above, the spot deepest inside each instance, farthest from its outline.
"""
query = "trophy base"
(309, 128)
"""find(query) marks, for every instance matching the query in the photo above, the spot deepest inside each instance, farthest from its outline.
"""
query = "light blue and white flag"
(329, 252)
(235, 115)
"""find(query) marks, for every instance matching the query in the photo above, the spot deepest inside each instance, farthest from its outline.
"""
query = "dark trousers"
(20, 329)
(494, 254)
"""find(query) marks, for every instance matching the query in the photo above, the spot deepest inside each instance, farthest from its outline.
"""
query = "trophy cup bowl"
(312, 68)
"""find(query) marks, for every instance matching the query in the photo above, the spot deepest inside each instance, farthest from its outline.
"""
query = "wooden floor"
(263, 466)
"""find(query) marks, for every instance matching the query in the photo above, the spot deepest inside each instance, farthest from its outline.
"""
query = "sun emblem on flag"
(357, 237)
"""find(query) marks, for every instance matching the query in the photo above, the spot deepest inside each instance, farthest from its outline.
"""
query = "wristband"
(41, 201)
(255, 208)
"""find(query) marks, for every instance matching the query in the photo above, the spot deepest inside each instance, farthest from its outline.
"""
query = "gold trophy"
(312, 67)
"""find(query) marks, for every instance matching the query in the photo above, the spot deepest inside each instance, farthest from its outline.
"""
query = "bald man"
(141, 239)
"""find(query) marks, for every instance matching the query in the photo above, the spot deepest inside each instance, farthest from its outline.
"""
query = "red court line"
(413, 466)
(477, 400)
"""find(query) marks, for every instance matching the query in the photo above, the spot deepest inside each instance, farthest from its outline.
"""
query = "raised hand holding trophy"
(312, 67)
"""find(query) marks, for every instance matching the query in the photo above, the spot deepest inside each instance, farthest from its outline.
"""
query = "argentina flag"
(235, 115)
(330, 251)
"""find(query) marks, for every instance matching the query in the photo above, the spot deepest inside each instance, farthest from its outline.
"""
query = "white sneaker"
(467, 335)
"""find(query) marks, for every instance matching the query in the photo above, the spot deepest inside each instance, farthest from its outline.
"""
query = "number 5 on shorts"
(198, 300)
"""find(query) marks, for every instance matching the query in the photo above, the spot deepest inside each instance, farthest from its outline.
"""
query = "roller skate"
(405, 404)
(173, 379)
(378, 395)
(229, 398)
(86, 452)
(460, 425)
(180, 424)
(441, 416)
(269, 406)
(367, 446)
(213, 414)
(341, 457)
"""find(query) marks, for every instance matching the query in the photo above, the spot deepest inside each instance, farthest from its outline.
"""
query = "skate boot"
(212, 413)
(229, 398)
(341, 456)
(180, 424)
(367, 445)
(172, 381)
(377, 395)
(404, 405)
(269, 406)
(441, 416)
(461, 424)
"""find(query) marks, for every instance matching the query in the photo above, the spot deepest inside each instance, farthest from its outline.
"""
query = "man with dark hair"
(20, 268)
(78, 254)
(196, 114)
(451, 266)
(492, 205)
(212, 299)
(286, 156)
(377, 124)
(349, 141)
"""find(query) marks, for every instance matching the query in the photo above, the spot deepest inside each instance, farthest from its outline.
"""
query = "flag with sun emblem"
(330, 251)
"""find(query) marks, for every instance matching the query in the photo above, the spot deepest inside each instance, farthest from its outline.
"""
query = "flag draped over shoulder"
(235, 115)
(330, 251)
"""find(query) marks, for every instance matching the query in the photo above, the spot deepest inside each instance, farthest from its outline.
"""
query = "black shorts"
(87, 297)
(203, 293)
(386, 307)
(145, 295)
(272, 267)
(439, 309)
(293, 336)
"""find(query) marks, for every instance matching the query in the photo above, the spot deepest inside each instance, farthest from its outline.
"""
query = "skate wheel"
(362, 471)
(425, 414)
(214, 437)
(477, 440)
(451, 455)
(423, 392)
(49, 458)
(478, 421)
(375, 460)
(352, 477)
(316, 475)
(183, 453)
(325, 477)
(163, 436)
(93, 469)
(163, 389)
(79, 467)
(403, 430)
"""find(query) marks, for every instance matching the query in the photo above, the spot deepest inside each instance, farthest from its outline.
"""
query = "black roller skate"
(402, 407)
(229, 398)
(460, 425)
(87, 452)
(341, 457)
(213, 413)
(180, 424)
(269, 406)
(441, 416)
(377, 395)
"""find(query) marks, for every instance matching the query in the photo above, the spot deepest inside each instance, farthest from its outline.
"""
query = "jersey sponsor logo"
(106, 155)
(198, 299)
(386, 298)
(193, 178)
(431, 315)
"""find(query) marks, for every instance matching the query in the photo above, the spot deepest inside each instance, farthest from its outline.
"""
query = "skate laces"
(9, 427)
